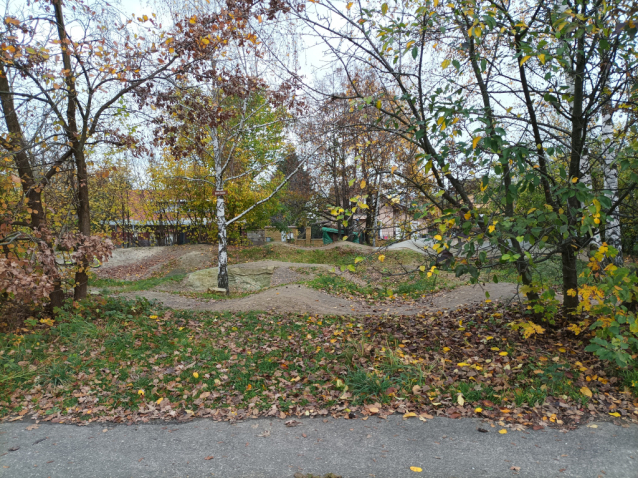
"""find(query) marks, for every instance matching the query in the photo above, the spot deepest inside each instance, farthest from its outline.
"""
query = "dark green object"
(328, 240)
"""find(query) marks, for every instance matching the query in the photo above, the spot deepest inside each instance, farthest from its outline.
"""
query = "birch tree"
(234, 129)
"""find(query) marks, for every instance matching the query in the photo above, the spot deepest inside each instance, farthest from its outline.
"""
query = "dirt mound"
(351, 245)
(127, 256)
(301, 299)
(143, 262)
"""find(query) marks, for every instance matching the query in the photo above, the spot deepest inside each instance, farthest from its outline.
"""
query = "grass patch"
(132, 286)
(341, 256)
(337, 255)
(112, 359)
(413, 286)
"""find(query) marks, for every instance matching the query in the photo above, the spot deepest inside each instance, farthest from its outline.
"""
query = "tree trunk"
(570, 277)
(222, 238)
(84, 222)
(222, 254)
(375, 223)
(77, 145)
(612, 224)
(32, 191)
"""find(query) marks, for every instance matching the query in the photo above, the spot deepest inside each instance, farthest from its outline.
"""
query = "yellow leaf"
(409, 414)
(416, 469)
(193, 20)
(140, 392)
(445, 63)
(503, 354)
(363, 184)
(586, 391)
(460, 400)
(349, 6)
(541, 57)
(615, 414)
(249, 387)
(503, 431)
(379, 104)
(475, 142)
(478, 410)
(574, 180)
(159, 400)
(259, 19)
(467, 216)
(438, 237)
(436, 3)
(381, 258)
(422, 268)
(195, 374)
(495, 349)
(524, 60)
(393, 169)
(446, 349)
(491, 228)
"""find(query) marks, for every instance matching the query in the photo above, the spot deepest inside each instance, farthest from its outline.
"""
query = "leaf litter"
(119, 361)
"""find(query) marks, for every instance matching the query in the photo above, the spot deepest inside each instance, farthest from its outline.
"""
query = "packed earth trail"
(304, 300)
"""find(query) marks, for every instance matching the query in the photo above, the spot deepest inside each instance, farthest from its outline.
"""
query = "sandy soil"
(300, 299)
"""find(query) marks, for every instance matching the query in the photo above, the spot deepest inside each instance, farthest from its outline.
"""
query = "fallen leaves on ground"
(93, 363)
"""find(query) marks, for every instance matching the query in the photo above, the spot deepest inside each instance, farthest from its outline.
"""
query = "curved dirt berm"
(301, 299)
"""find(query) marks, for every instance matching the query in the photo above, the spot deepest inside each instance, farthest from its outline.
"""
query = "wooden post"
(308, 236)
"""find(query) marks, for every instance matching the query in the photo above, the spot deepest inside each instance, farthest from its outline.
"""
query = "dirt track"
(285, 296)
(301, 299)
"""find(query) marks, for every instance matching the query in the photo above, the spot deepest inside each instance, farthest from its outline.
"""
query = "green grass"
(337, 256)
(412, 286)
(100, 353)
(131, 286)
(341, 256)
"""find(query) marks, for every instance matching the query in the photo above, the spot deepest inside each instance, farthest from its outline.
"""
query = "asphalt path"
(375, 448)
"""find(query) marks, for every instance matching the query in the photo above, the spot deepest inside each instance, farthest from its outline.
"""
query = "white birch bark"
(612, 224)
(586, 179)
(222, 253)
